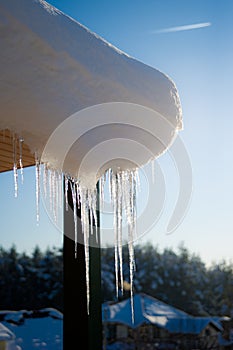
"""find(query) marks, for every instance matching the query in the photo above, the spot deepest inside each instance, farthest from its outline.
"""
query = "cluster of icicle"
(122, 190)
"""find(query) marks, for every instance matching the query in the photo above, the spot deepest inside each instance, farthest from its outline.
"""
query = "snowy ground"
(41, 331)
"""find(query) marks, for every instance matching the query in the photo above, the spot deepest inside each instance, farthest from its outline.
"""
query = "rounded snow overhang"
(52, 68)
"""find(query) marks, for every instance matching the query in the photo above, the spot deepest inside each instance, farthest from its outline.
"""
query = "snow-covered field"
(34, 330)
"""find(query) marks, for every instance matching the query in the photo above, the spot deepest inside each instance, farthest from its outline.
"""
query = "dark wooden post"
(78, 326)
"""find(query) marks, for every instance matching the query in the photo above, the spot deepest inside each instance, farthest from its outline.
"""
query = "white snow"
(53, 67)
(41, 333)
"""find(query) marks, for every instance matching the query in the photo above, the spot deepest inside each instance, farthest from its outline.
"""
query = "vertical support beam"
(75, 323)
(78, 326)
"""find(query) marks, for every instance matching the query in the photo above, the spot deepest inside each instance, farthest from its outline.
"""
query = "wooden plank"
(7, 150)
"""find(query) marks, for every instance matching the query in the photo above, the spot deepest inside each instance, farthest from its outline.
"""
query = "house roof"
(18, 317)
(150, 310)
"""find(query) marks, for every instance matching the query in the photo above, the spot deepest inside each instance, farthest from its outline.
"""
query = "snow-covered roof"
(5, 333)
(19, 316)
(51, 67)
(150, 310)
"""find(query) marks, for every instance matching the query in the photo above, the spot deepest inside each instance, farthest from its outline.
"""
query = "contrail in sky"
(182, 28)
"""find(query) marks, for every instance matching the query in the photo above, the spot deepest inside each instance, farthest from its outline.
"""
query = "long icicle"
(130, 208)
(119, 226)
(66, 192)
(45, 179)
(114, 195)
(37, 188)
(86, 231)
(74, 198)
(15, 170)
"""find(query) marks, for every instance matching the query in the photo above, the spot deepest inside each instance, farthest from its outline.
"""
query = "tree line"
(181, 279)
(31, 281)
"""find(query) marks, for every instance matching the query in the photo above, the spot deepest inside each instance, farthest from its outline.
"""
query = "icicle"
(60, 189)
(86, 230)
(52, 187)
(132, 232)
(93, 216)
(113, 184)
(55, 194)
(21, 140)
(119, 226)
(15, 170)
(78, 194)
(129, 195)
(137, 181)
(66, 192)
(102, 182)
(50, 191)
(45, 179)
(74, 198)
(87, 199)
(37, 188)
(110, 183)
(122, 191)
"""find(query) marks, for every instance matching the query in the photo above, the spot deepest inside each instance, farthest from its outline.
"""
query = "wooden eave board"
(7, 152)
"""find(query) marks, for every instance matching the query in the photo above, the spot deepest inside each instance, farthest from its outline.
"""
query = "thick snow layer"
(53, 67)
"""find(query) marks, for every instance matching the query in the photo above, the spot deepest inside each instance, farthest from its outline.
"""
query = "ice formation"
(122, 190)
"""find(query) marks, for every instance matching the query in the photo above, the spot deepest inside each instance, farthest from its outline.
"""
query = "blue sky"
(191, 41)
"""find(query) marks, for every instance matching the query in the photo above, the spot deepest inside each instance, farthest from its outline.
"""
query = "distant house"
(6, 337)
(156, 325)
